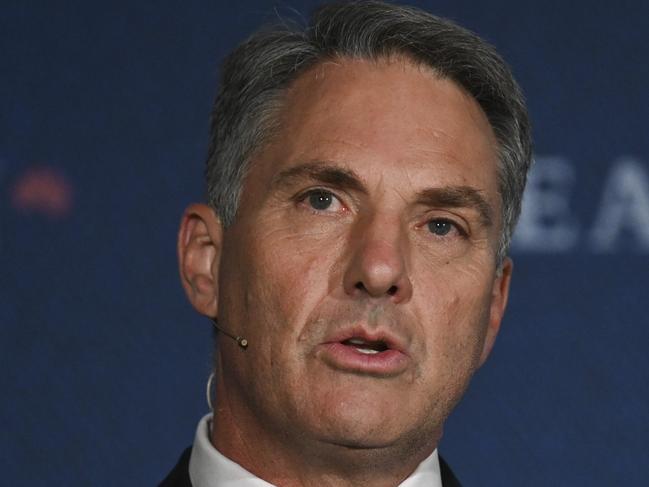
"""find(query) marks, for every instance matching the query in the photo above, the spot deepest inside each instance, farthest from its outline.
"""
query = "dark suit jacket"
(179, 476)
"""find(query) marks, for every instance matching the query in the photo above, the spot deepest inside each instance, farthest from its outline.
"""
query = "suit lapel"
(448, 478)
(179, 476)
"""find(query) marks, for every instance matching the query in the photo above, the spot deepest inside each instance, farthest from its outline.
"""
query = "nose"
(377, 266)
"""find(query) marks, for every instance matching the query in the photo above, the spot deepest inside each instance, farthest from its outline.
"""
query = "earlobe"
(199, 252)
(500, 294)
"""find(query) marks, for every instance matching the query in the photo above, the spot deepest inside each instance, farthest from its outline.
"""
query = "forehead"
(388, 116)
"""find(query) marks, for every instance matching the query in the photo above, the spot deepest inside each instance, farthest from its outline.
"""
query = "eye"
(441, 227)
(322, 200)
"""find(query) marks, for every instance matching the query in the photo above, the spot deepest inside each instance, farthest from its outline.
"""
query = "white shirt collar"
(210, 468)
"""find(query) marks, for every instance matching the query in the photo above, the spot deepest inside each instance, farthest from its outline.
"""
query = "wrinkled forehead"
(394, 85)
(386, 115)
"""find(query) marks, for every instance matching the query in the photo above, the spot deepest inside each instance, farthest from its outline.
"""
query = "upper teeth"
(356, 341)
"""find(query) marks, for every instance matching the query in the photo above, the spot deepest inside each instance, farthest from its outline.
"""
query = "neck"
(287, 460)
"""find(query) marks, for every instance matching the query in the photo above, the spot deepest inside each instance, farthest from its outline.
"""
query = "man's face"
(361, 265)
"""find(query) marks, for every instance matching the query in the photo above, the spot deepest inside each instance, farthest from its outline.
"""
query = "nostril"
(391, 291)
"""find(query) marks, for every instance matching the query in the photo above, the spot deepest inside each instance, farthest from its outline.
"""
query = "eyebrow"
(458, 197)
(320, 171)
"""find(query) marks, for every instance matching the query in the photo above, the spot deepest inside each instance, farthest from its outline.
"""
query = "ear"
(499, 296)
(199, 252)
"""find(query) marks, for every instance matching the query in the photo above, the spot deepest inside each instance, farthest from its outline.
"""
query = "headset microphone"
(243, 343)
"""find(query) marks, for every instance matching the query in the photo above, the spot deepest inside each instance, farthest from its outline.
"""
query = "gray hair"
(256, 75)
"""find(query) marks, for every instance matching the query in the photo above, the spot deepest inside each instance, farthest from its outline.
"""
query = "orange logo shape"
(42, 190)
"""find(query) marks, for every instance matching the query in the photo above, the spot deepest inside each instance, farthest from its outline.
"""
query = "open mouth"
(365, 346)
(359, 352)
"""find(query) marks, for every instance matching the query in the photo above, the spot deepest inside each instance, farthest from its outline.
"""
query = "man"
(364, 179)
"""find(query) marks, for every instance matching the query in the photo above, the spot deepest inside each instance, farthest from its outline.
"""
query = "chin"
(363, 422)
(361, 436)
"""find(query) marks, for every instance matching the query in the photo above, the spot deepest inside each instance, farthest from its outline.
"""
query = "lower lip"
(347, 358)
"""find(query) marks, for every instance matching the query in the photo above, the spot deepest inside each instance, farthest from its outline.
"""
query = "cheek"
(288, 276)
(453, 304)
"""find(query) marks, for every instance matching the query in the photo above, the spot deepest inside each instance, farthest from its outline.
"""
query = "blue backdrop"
(103, 130)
